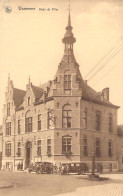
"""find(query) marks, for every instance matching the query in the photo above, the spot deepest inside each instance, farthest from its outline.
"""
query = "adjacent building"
(64, 120)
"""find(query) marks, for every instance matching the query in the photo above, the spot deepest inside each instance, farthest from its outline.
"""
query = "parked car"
(75, 167)
(41, 167)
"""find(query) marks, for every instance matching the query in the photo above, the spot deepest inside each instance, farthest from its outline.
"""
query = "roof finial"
(69, 8)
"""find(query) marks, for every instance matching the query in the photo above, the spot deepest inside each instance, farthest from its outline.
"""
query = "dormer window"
(29, 101)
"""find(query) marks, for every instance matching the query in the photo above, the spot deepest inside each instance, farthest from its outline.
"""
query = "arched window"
(66, 114)
(98, 120)
(110, 122)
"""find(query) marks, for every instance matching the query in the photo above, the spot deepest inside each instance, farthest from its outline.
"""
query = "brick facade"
(68, 117)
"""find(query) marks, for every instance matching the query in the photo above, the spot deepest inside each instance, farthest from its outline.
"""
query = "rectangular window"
(49, 119)
(85, 120)
(39, 148)
(8, 109)
(110, 122)
(98, 121)
(66, 145)
(29, 101)
(8, 128)
(110, 148)
(49, 146)
(8, 149)
(85, 151)
(66, 118)
(98, 149)
(39, 122)
(19, 126)
(67, 82)
(28, 126)
(19, 149)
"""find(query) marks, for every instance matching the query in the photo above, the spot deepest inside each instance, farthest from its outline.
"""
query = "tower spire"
(69, 19)
(68, 40)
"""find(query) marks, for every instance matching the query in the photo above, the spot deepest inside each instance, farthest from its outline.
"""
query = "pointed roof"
(37, 92)
(69, 37)
(18, 96)
(69, 21)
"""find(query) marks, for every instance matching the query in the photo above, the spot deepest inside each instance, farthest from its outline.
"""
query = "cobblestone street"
(65, 185)
(115, 188)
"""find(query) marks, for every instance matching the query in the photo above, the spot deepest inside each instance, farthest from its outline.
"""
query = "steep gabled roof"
(37, 92)
(18, 96)
(91, 95)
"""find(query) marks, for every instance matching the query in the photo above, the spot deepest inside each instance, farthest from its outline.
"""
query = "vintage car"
(75, 167)
(41, 167)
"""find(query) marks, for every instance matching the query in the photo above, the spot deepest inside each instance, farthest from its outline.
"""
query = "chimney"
(105, 94)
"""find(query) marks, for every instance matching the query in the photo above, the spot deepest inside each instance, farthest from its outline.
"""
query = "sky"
(31, 43)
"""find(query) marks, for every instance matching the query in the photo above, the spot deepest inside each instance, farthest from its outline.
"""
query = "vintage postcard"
(61, 90)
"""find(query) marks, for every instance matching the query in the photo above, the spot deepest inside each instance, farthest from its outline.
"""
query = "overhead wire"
(103, 65)
(106, 73)
(104, 56)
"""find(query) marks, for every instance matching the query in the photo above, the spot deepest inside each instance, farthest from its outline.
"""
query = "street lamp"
(93, 163)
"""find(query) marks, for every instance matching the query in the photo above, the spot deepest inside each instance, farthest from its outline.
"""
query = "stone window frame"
(49, 146)
(66, 144)
(28, 124)
(8, 128)
(85, 145)
(39, 122)
(98, 120)
(8, 149)
(67, 116)
(110, 148)
(19, 126)
(67, 81)
(39, 147)
(19, 149)
(85, 118)
(98, 147)
(110, 122)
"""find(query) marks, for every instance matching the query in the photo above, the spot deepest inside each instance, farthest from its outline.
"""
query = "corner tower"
(68, 79)
(68, 40)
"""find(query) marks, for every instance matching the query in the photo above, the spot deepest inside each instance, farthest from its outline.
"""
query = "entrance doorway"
(28, 153)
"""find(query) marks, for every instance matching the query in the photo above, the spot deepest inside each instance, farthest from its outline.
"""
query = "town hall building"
(61, 121)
